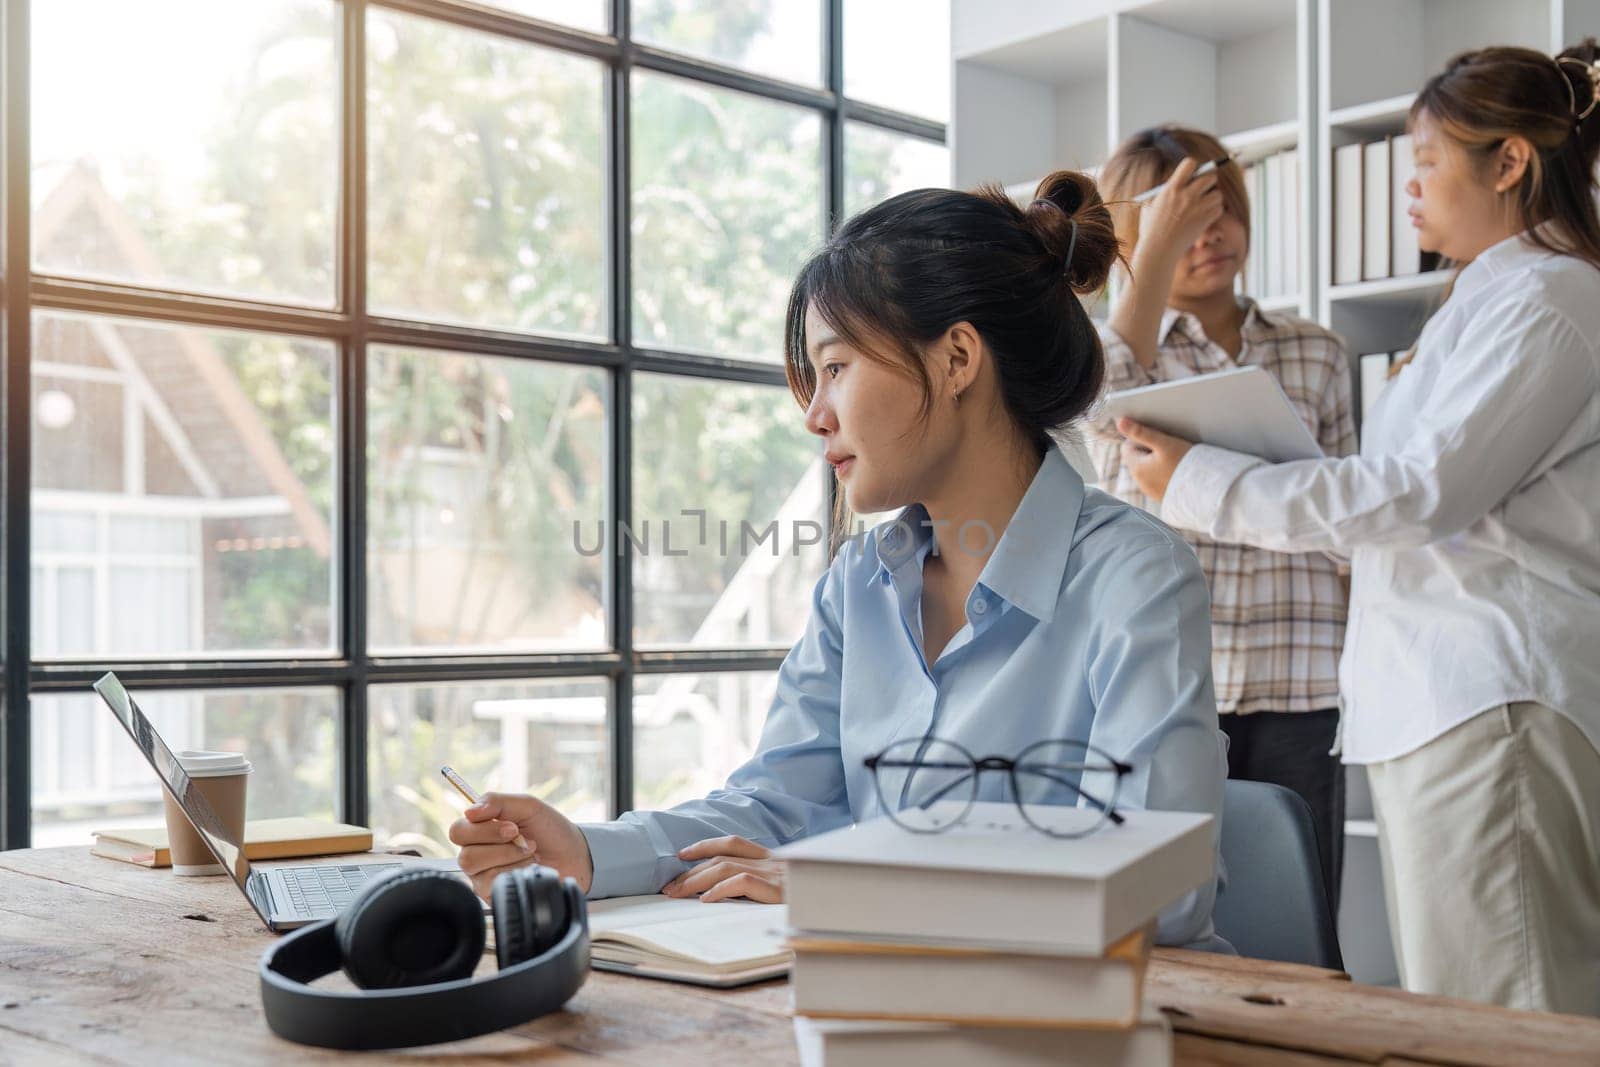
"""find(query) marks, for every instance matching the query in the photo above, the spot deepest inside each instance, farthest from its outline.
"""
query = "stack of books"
(1273, 185)
(988, 943)
(264, 839)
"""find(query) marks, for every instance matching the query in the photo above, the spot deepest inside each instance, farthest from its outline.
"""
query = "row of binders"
(988, 943)
(1372, 232)
(1273, 185)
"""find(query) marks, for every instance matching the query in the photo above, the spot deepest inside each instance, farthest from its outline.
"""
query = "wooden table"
(105, 962)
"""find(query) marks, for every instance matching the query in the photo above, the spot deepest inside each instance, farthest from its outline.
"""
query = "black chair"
(1273, 906)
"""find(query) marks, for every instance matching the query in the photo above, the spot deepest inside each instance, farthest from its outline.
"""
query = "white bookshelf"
(1038, 86)
(1263, 141)
(1372, 119)
(1372, 57)
(1287, 302)
(1382, 291)
(1384, 315)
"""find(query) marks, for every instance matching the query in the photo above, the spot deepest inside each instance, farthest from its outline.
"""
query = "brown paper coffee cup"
(220, 777)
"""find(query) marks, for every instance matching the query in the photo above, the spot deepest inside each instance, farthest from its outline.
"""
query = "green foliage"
(486, 178)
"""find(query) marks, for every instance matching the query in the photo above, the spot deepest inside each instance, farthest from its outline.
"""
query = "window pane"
(743, 574)
(544, 738)
(486, 179)
(879, 164)
(727, 201)
(183, 489)
(88, 775)
(579, 14)
(485, 477)
(188, 143)
(692, 730)
(897, 55)
(778, 38)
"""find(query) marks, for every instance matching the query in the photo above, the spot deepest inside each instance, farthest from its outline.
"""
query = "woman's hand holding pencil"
(502, 831)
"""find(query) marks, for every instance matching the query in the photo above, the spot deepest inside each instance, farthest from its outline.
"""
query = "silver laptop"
(284, 897)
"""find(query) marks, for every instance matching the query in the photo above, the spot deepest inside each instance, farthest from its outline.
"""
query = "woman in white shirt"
(1470, 678)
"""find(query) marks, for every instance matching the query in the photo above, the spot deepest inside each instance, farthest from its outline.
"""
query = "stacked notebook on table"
(989, 942)
(264, 839)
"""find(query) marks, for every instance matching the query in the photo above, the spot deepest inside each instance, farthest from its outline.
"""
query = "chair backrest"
(1273, 905)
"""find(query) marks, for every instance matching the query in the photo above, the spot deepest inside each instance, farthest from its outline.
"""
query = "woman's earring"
(956, 397)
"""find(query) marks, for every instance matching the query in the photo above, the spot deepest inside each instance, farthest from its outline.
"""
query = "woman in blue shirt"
(936, 342)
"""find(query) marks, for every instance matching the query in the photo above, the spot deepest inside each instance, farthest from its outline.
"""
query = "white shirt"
(1471, 514)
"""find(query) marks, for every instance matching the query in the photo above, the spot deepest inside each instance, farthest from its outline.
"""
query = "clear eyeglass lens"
(1064, 788)
(925, 784)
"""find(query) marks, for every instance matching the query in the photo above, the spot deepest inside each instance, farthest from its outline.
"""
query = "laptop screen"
(229, 852)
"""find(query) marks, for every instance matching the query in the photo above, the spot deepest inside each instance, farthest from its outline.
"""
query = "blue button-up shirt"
(1089, 621)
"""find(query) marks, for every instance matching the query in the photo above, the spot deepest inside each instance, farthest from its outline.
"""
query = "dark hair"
(900, 274)
(1485, 96)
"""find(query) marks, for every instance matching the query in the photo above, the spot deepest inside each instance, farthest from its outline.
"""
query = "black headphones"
(410, 941)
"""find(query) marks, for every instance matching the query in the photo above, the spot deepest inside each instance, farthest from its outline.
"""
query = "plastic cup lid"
(198, 764)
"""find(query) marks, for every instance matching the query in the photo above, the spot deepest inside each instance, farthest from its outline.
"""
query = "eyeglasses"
(927, 785)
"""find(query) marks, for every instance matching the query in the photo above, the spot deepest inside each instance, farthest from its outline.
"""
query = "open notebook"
(724, 944)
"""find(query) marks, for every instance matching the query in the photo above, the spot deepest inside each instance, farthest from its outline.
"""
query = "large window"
(389, 385)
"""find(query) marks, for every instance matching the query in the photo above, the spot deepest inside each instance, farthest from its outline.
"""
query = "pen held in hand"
(1205, 168)
(471, 794)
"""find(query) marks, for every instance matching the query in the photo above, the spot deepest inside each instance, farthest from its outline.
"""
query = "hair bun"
(1065, 198)
(1577, 66)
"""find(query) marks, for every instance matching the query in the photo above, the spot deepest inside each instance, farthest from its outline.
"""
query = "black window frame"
(352, 328)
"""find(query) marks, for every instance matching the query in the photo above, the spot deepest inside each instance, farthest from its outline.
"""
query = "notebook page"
(718, 934)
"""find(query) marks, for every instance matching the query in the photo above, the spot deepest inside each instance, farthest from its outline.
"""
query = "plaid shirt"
(1277, 619)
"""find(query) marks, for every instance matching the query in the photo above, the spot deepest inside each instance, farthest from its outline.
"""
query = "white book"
(724, 944)
(1290, 232)
(1348, 221)
(1258, 228)
(880, 979)
(1261, 197)
(1374, 379)
(1406, 253)
(836, 1043)
(993, 879)
(1273, 237)
(1376, 212)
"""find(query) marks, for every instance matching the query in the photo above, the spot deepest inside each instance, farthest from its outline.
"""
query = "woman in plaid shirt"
(1277, 619)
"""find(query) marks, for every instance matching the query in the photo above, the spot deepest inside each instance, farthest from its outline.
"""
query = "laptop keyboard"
(323, 892)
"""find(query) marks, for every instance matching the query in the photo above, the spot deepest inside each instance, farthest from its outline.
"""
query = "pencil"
(1205, 168)
(472, 798)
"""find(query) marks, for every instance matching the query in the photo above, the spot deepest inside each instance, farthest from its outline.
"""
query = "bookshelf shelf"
(1286, 302)
(1384, 315)
(1028, 105)
(1376, 119)
(1249, 145)
(1409, 290)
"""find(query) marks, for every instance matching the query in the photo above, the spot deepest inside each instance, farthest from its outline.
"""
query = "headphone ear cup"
(549, 910)
(530, 913)
(510, 920)
(411, 928)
